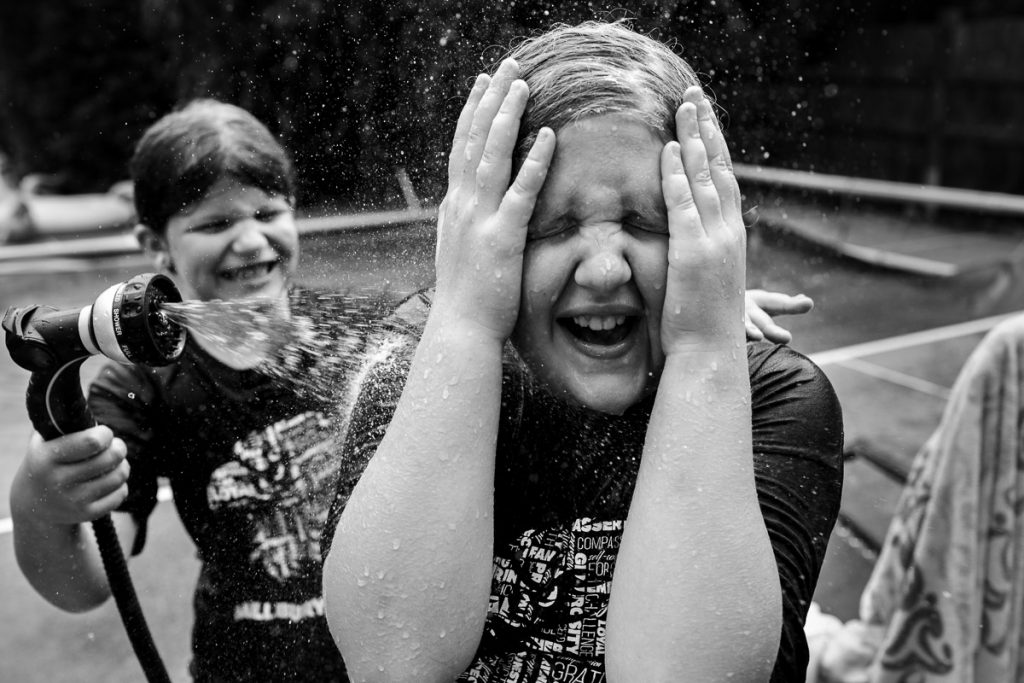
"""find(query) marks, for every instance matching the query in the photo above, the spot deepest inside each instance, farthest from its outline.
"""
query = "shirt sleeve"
(798, 443)
(123, 398)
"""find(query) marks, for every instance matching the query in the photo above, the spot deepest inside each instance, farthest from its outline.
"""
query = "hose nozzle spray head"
(125, 324)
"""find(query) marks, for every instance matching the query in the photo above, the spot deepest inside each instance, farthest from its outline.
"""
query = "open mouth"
(247, 273)
(600, 330)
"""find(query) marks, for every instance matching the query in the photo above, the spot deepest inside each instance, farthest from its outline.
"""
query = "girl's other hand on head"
(483, 221)
(704, 295)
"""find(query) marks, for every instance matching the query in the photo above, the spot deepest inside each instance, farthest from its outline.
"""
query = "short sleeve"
(798, 444)
(123, 398)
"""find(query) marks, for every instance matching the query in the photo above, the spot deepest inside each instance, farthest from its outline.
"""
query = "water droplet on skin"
(361, 582)
(714, 366)
(439, 358)
(426, 373)
(442, 634)
(444, 393)
(497, 275)
(679, 309)
(380, 614)
(396, 544)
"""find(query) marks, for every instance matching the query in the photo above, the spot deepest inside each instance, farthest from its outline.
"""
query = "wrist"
(458, 330)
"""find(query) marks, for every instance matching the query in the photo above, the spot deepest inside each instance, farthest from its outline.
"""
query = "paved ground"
(892, 395)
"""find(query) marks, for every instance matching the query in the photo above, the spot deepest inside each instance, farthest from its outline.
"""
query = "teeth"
(247, 272)
(599, 322)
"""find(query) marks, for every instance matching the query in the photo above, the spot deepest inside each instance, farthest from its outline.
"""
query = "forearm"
(61, 562)
(408, 578)
(695, 574)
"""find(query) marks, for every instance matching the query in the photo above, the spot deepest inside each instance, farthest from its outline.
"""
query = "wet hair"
(596, 68)
(185, 153)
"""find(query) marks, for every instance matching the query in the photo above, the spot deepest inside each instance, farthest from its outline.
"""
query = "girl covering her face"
(627, 491)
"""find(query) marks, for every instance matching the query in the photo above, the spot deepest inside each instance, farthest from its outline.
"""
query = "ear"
(155, 246)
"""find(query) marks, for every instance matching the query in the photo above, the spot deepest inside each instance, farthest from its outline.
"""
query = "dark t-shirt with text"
(563, 483)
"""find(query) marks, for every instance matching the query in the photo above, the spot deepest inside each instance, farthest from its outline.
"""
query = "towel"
(944, 600)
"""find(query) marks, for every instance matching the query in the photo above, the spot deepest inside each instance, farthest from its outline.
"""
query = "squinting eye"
(268, 216)
(213, 226)
(652, 228)
(539, 232)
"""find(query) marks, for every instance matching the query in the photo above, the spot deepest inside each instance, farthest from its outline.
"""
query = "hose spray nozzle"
(125, 323)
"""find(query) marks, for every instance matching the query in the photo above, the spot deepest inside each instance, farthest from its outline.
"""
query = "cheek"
(545, 274)
(195, 253)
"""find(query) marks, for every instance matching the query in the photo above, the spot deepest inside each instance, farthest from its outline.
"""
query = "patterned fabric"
(948, 588)
(253, 468)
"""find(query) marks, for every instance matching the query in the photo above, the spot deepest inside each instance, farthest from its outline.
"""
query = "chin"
(610, 397)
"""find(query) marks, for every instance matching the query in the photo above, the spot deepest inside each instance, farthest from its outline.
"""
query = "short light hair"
(595, 68)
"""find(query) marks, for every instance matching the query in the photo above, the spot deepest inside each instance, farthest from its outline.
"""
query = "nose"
(603, 264)
(249, 237)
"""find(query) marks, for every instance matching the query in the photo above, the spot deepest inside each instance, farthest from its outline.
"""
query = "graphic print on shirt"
(282, 478)
(550, 593)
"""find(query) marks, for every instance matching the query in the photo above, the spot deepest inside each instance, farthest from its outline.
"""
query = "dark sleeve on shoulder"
(123, 397)
(379, 387)
(798, 465)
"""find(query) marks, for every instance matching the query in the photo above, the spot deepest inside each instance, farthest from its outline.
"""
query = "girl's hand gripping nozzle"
(126, 324)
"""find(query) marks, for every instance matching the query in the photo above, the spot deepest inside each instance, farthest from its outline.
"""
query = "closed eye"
(268, 215)
(216, 225)
(656, 228)
(539, 231)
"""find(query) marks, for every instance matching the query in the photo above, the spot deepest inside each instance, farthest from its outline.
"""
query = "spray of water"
(312, 352)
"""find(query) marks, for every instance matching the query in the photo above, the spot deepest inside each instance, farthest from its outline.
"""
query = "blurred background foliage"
(359, 89)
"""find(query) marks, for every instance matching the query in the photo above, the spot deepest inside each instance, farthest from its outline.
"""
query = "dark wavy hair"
(181, 156)
(595, 68)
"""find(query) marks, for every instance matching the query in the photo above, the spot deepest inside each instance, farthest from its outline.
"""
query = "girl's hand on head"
(761, 306)
(704, 294)
(482, 222)
(73, 479)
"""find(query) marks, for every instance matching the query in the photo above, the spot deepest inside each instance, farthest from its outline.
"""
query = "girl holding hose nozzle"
(249, 462)
(247, 459)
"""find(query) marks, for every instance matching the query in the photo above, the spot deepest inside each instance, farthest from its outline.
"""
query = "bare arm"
(59, 488)
(407, 580)
(696, 587)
